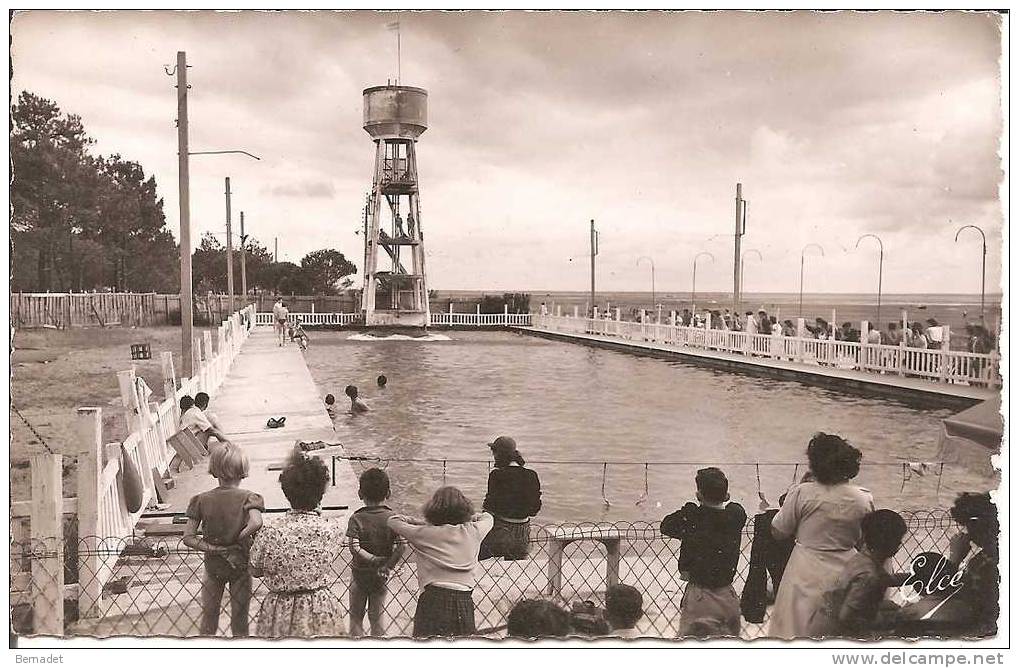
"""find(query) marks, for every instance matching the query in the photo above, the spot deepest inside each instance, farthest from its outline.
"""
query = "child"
(624, 606)
(356, 404)
(710, 551)
(331, 406)
(375, 550)
(202, 403)
(298, 334)
(446, 545)
(850, 607)
(227, 517)
(381, 382)
(538, 618)
(194, 419)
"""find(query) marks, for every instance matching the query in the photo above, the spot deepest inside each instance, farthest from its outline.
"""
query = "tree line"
(90, 222)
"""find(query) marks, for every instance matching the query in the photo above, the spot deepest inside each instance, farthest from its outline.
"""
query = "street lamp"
(654, 303)
(880, 269)
(802, 254)
(693, 287)
(983, 264)
(742, 265)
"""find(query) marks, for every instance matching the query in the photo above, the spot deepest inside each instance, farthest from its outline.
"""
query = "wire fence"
(155, 588)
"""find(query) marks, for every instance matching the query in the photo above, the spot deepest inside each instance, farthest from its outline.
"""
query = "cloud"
(304, 189)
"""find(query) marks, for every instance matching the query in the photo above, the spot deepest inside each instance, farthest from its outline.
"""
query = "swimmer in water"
(356, 404)
(331, 406)
(381, 380)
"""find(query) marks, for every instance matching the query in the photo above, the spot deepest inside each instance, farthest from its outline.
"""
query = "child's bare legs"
(377, 612)
(358, 601)
(213, 583)
(240, 603)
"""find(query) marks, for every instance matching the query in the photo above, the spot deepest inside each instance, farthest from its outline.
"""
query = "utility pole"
(594, 251)
(244, 273)
(229, 253)
(275, 249)
(186, 306)
(738, 237)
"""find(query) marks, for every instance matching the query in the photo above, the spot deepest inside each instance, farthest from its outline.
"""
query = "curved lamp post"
(880, 269)
(743, 263)
(693, 288)
(654, 303)
(803, 254)
(983, 264)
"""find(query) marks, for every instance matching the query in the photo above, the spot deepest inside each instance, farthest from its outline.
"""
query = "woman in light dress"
(824, 516)
(298, 557)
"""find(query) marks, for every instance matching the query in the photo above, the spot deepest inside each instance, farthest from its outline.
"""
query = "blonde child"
(227, 516)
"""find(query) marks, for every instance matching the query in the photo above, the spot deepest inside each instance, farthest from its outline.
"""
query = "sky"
(837, 125)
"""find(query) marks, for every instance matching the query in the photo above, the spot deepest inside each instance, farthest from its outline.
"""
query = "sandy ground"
(55, 371)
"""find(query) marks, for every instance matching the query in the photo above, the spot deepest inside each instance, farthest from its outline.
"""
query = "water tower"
(395, 294)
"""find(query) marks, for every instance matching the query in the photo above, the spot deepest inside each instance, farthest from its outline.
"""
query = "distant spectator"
(894, 335)
(538, 618)
(849, 333)
(624, 606)
(935, 334)
(764, 323)
(686, 319)
(917, 338)
(708, 556)
(750, 325)
(850, 606)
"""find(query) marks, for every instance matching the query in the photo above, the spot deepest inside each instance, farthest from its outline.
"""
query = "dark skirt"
(444, 612)
(509, 540)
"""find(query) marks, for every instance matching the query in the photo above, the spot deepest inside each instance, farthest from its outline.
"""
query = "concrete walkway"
(827, 376)
(269, 381)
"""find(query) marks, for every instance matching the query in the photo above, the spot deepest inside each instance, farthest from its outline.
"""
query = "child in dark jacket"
(375, 550)
(710, 532)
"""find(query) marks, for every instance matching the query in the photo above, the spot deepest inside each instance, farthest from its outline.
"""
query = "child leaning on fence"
(709, 554)
(375, 550)
(227, 516)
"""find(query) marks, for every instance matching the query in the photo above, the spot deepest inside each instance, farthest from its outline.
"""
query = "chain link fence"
(155, 585)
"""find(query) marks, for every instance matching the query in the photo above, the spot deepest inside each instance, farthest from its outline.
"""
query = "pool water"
(562, 401)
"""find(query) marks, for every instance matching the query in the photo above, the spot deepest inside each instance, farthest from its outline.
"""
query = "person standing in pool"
(356, 404)
(513, 498)
(381, 381)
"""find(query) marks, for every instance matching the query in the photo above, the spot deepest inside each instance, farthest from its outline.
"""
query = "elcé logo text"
(940, 579)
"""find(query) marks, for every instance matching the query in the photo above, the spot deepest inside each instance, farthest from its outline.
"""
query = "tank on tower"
(395, 112)
(395, 290)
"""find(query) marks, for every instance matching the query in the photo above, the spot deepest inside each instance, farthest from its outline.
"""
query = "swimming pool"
(561, 401)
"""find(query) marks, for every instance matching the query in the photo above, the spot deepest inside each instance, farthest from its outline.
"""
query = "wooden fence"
(103, 517)
(82, 309)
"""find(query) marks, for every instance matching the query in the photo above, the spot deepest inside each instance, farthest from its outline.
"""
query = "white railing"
(945, 366)
(438, 319)
(311, 319)
(103, 516)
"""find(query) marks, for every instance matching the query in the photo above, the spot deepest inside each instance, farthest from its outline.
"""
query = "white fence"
(945, 366)
(504, 319)
(103, 517)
